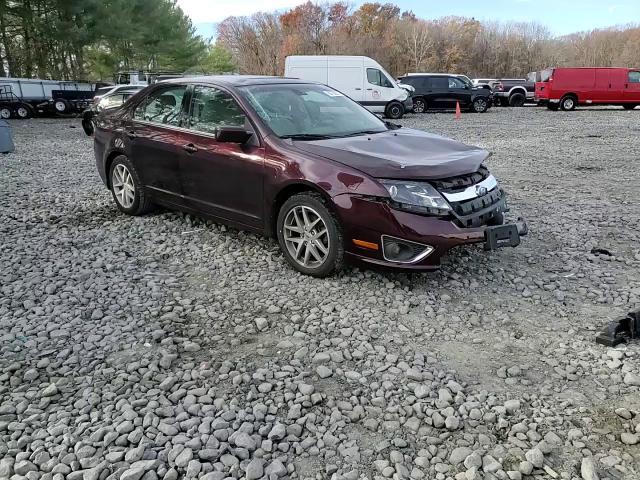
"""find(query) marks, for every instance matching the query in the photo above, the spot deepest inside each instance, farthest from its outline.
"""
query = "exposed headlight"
(418, 197)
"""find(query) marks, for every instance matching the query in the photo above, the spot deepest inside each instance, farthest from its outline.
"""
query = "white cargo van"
(360, 78)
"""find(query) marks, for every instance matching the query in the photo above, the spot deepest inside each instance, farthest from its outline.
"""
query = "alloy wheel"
(480, 105)
(123, 186)
(418, 106)
(306, 236)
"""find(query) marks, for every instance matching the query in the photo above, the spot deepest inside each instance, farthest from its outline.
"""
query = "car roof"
(237, 80)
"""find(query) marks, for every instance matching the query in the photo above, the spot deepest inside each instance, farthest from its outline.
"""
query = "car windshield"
(308, 112)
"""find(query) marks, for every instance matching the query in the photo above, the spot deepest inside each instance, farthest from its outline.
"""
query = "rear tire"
(419, 105)
(517, 100)
(61, 105)
(629, 107)
(5, 112)
(126, 188)
(568, 103)
(302, 247)
(394, 110)
(24, 111)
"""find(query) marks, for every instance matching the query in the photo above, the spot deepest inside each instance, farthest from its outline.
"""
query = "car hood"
(400, 154)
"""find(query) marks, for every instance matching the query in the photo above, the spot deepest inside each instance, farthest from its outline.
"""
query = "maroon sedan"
(305, 163)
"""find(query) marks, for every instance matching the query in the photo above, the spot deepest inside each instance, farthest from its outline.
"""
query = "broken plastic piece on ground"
(620, 330)
(601, 251)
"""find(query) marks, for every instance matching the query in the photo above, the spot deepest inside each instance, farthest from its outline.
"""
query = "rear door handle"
(190, 147)
(357, 88)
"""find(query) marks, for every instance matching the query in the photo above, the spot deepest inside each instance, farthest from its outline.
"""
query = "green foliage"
(93, 38)
(217, 60)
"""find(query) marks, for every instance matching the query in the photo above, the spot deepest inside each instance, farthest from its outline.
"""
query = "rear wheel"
(419, 105)
(394, 110)
(310, 235)
(61, 105)
(24, 111)
(517, 100)
(480, 105)
(5, 112)
(126, 187)
(629, 107)
(568, 103)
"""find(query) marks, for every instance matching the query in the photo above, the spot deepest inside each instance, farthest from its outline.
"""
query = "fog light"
(403, 251)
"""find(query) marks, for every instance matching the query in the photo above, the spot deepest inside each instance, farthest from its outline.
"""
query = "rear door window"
(439, 83)
(212, 108)
(634, 77)
(376, 77)
(162, 106)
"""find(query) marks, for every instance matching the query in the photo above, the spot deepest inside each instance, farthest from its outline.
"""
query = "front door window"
(212, 108)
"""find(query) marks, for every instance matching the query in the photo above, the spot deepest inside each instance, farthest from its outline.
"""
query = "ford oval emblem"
(481, 191)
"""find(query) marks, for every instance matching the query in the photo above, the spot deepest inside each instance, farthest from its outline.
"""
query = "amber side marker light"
(367, 245)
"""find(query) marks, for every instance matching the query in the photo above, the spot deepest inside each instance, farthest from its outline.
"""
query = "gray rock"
(588, 469)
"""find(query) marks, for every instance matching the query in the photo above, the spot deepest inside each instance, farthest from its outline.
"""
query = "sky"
(560, 16)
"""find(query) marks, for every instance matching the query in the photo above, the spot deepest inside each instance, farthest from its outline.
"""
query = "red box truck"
(567, 88)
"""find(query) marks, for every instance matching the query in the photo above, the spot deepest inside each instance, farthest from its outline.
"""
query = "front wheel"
(394, 110)
(126, 187)
(310, 235)
(5, 113)
(419, 105)
(568, 103)
(480, 105)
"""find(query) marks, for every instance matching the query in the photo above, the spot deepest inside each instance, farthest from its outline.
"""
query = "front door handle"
(358, 88)
(190, 147)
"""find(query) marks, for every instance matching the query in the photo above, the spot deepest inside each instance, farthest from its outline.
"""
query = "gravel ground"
(169, 347)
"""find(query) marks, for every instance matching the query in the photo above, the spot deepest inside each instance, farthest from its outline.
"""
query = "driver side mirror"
(233, 135)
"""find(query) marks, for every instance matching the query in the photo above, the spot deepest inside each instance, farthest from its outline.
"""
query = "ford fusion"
(306, 164)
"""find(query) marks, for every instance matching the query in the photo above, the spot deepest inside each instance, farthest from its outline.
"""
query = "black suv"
(439, 91)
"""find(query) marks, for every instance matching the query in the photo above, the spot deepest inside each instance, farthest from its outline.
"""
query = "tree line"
(91, 39)
(403, 43)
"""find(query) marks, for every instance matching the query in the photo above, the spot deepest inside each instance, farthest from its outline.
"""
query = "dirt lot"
(168, 347)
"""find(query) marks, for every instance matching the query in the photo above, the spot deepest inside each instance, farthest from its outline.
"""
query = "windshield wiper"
(306, 136)
(363, 132)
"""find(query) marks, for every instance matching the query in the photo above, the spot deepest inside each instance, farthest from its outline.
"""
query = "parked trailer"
(26, 97)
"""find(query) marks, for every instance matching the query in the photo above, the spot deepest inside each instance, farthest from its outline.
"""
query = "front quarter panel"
(109, 140)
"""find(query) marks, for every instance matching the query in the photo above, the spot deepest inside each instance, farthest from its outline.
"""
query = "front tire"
(480, 105)
(126, 187)
(394, 111)
(568, 103)
(5, 113)
(310, 235)
(419, 105)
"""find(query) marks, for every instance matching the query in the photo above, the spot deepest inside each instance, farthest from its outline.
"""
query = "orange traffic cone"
(458, 114)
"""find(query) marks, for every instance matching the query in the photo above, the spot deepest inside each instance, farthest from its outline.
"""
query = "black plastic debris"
(601, 251)
(621, 330)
